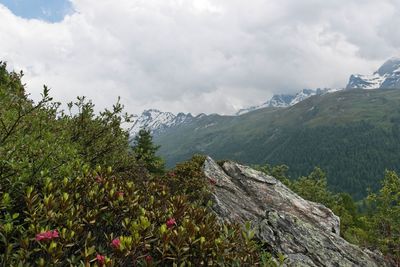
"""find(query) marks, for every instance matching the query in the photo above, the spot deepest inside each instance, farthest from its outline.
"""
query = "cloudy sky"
(194, 55)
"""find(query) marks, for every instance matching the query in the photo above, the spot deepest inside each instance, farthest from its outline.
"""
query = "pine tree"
(385, 220)
(145, 151)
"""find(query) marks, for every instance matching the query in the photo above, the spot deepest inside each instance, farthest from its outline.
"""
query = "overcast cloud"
(198, 55)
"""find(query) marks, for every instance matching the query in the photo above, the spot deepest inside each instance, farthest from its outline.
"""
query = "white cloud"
(199, 55)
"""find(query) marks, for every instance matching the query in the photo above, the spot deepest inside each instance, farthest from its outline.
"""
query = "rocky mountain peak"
(157, 121)
(386, 77)
(390, 66)
(307, 233)
(287, 100)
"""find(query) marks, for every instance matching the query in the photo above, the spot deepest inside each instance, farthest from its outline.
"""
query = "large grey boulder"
(307, 233)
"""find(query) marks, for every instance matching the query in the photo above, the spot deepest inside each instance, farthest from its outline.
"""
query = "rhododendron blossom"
(48, 235)
(149, 258)
(170, 223)
(101, 259)
(116, 243)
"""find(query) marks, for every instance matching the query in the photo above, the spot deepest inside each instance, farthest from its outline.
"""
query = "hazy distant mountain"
(287, 100)
(386, 77)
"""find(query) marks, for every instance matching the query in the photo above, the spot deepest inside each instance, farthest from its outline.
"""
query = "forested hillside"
(353, 135)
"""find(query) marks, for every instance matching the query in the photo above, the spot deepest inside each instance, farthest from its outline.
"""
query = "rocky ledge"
(307, 233)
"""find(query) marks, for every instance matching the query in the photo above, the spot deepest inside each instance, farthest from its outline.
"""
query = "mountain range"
(353, 134)
(386, 77)
(157, 121)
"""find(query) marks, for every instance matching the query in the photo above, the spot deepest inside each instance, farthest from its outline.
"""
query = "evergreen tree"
(385, 219)
(314, 188)
(145, 151)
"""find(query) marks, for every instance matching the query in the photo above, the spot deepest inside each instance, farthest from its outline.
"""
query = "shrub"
(59, 207)
(98, 217)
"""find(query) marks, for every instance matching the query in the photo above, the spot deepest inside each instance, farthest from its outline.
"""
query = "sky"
(211, 56)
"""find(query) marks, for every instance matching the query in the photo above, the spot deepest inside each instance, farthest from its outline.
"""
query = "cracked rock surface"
(307, 233)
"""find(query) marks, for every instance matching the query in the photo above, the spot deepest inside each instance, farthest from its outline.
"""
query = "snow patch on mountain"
(157, 121)
(287, 100)
(386, 77)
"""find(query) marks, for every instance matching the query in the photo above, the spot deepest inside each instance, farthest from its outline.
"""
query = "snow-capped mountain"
(386, 77)
(287, 100)
(157, 121)
(280, 101)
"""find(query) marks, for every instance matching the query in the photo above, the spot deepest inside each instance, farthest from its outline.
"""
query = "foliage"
(145, 151)
(384, 221)
(97, 213)
(314, 187)
(59, 207)
(38, 139)
(188, 178)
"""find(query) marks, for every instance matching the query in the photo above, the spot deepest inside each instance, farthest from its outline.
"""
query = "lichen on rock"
(307, 233)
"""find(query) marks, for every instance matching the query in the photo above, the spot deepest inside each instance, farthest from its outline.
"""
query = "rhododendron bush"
(73, 193)
(81, 220)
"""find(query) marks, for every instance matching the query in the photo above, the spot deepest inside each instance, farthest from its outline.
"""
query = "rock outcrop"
(307, 233)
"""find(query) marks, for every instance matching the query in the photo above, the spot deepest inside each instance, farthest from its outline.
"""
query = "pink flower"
(149, 258)
(101, 259)
(170, 223)
(116, 243)
(120, 194)
(172, 174)
(55, 234)
(48, 235)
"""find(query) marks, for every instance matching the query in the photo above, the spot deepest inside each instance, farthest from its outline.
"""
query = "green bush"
(98, 213)
(59, 207)
(384, 217)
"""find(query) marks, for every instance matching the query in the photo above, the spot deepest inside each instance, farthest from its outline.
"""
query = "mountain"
(287, 100)
(386, 77)
(157, 121)
(354, 135)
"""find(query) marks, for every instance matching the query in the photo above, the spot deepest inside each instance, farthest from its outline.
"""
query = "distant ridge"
(157, 121)
(287, 100)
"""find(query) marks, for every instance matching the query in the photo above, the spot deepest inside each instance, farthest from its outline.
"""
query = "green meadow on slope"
(353, 135)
